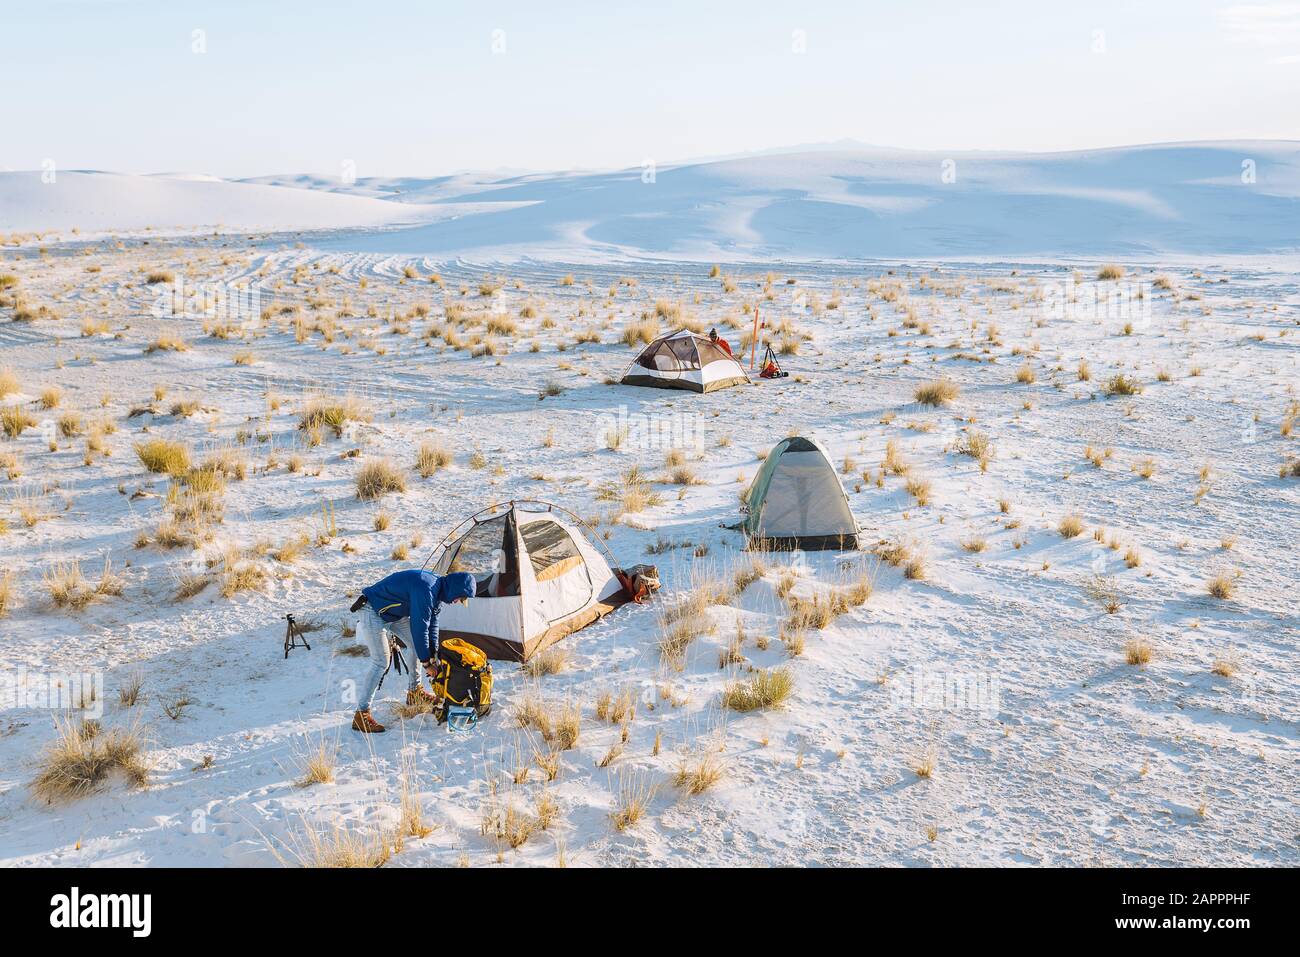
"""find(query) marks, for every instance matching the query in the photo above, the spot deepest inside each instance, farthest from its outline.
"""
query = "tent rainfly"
(539, 580)
(684, 360)
(796, 501)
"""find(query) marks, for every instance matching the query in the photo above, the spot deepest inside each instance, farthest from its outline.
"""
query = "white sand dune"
(94, 202)
(1194, 199)
(1202, 199)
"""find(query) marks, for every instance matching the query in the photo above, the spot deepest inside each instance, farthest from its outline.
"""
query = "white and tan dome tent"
(684, 360)
(539, 579)
(796, 501)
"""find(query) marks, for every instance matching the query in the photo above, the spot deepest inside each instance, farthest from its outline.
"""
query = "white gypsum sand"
(981, 711)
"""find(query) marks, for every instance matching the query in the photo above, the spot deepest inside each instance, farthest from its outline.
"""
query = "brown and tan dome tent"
(684, 360)
(539, 579)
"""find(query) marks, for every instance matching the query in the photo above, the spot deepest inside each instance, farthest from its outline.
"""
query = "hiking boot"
(422, 698)
(364, 722)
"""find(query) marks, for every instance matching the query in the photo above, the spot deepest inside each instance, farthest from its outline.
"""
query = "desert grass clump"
(167, 344)
(83, 758)
(317, 761)
(1221, 586)
(1138, 652)
(938, 393)
(164, 456)
(1070, 526)
(976, 445)
(1025, 375)
(1225, 666)
(14, 419)
(239, 573)
(816, 612)
(1104, 589)
(1120, 384)
(696, 773)
(507, 823)
(549, 662)
(644, 330)
(8, 592)
(377, 478)
(894, 461)
(335, 846)
(128, 696)
(919, 489)
(331, 412)
(71, 424)
(69, 588)
(632, 799)
(1110, 272)
(190, 584)
(632, 491)
(293, 548)
(432, 457)
(677, 636)
(766, 688)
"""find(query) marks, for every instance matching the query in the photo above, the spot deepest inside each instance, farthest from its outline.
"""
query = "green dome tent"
(797, 501)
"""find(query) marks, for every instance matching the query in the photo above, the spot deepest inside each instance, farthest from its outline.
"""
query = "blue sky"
(406, 88)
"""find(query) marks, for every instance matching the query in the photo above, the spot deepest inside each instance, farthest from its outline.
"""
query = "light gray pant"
(374, 633)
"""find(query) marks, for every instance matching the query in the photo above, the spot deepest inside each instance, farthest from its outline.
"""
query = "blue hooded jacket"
(416, 594)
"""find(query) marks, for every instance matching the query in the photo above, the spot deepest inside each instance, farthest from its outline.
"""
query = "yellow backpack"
(463, 679)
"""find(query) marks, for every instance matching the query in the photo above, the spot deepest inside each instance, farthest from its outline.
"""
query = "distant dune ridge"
(1223, 198)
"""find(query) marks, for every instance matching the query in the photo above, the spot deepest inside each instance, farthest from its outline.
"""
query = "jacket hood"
(455, 586)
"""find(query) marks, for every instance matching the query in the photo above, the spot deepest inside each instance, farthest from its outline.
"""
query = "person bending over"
(404, 605)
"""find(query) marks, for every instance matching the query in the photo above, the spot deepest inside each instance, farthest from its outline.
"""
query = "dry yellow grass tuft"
(549, 662)
(764, 689)
(937, 393)
(317, 761)
(377, 478)
(699, 772)
(335, 846)
(1138, 651)
(1221, 586)
(631, 799)
(164, 456)
(8, 593)
(82, 758)
(1070, 526)
(69, 588)
(167, 344)
(1120, 384)
(331, 412)
(14, 419)
(432, 457)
